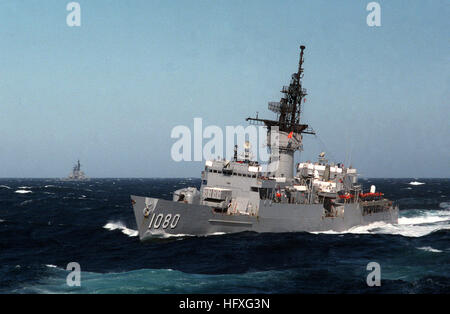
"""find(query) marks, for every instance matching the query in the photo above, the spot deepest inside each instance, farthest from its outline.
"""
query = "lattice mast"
(289, 110)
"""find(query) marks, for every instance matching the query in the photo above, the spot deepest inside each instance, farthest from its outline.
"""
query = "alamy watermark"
(374, 17)
(374, 277)
(73, 279)
(189, 145)
(74, 17)
(220, 144)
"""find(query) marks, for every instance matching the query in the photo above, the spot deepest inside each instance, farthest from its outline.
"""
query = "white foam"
(23, 191)
(429, 249)
(165, 235)
(5, 187)
(51, 266)
(416, 226)
(119, 225)
(416, 183)
(426, 219)
(217, 233)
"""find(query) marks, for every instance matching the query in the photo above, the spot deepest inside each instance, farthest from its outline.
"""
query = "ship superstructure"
(76, 173)
(241, 195)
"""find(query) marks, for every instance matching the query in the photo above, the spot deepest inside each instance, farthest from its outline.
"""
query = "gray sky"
(110, 92)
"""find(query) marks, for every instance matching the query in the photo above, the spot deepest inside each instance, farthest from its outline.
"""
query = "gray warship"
(76, 174)
(240, 195)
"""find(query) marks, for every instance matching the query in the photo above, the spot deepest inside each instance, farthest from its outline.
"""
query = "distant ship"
(239, 195)
(77, 174)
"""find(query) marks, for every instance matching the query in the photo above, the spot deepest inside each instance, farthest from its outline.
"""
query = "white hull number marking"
(164, 221)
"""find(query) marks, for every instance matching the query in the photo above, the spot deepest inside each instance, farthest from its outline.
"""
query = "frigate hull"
(157, 216)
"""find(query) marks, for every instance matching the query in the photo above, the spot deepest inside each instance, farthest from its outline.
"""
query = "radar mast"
(288, 110)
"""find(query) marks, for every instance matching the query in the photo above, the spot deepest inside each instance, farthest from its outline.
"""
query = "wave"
(165, 235)
(164, 281)
(216, 233)
(426, 218)
(5, 187)
(161, 281)
(416, 183)
(23, 191)
(429, 249)
(155, 234)
(121, 226)
(417, 226)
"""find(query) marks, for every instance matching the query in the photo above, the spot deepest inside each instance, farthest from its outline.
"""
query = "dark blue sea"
(46, 224)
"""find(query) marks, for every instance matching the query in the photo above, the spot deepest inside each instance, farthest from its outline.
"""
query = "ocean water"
(46, 224)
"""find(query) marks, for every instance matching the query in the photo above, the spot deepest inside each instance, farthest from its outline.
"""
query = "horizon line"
(91, 178)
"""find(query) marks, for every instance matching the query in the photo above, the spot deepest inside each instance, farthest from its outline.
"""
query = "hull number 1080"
(164, 221)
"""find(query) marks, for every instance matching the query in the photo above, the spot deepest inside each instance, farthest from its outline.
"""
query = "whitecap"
(51, 266)
(5, 187)
(416, 183)
(23, 191)
(426, 219)
(120, 225)
(429, 249)
(218, 233)
(416, 226)
(165, 235)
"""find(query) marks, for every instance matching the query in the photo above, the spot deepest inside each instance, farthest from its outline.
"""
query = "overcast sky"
(110, 92)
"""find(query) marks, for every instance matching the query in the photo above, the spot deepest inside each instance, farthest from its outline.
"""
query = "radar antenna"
(289, 108)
